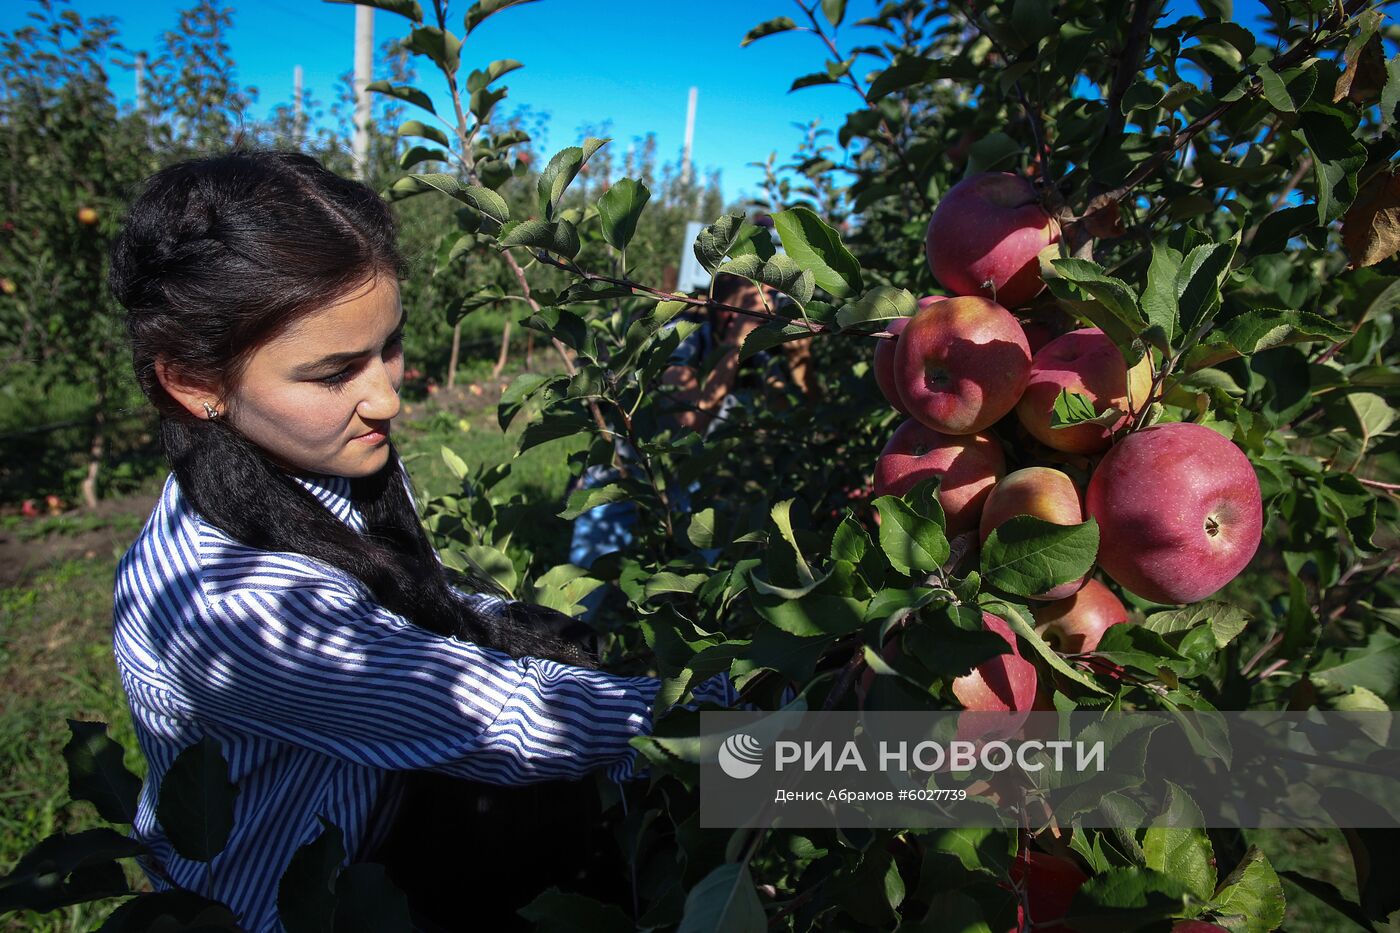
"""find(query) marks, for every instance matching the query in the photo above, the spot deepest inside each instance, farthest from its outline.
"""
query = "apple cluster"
(1177, 505)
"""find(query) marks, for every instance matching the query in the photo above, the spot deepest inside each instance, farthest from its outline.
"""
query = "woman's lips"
(373, 437)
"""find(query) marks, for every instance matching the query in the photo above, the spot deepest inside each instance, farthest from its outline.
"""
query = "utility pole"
(140, 82)
(297, 117)
(689, 136)
(364, 74)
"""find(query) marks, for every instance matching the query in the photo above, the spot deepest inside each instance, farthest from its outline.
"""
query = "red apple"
(1039, 491)
(968, 466)
(1050, 883)
(87, 216)
(1075, 624)
(1087, 362)
(884, 357)
(1179, 512)
(1003, 684)
(961, 364)
(985, 238)
(8, 286)
(28, 509)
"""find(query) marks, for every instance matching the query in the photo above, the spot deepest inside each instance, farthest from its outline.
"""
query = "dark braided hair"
(218, 256)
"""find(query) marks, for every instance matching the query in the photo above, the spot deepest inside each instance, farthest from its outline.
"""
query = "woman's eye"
(336, 379)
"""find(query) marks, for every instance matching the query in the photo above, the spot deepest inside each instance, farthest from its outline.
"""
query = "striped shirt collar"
(333, 492)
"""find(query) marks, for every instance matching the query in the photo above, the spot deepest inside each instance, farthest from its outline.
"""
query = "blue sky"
(588, 63)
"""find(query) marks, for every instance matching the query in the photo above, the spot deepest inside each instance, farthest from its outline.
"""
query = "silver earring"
(211, 411)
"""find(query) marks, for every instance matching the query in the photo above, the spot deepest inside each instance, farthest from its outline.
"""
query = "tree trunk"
(456, 352)
(530, 350)
(96, 446)
(504, 354)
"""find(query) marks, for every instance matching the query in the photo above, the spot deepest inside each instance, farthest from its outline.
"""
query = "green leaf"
(1109, 303)
(701, 530)
(1375, 667)
(417, 154)
(1159, 300)
(367, 901)
(905, 72)
(481, 103)
(441, 46)
(492, 563)
(75, 868)
(1337, 156)
(817, 248)
(715, 241)
(770, 28)
(1198, 283)
(1026, 555)
(618, 210)
(305, 892)
(402, 92)
(770, 334)
(478, 12)
(1177, 845)
(521, 389)
(563, 588)
(97, 774)
(588, 498)
(784, 274)
(560, 237)
(409, 8)
(1275, 90)
(1125, 899)
(1251, 897)
(196, 801)
(556, 911)
(1262, 329)
(487, 202)
(849, 542)
(561, 171)
(1071, 408)
(419, 128)
(1015, 617)
(480, 80)
(781, 514)
(881, 303)
(912, 529)
(455, 464)
(1033, 20)
(1226, 621)
(834, 10)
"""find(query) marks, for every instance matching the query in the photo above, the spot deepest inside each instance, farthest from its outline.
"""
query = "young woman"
(283, 598)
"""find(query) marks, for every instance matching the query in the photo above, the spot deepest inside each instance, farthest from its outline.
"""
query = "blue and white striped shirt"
(317, 695)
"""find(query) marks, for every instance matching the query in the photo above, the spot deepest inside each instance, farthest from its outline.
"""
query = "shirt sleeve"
(326, 667)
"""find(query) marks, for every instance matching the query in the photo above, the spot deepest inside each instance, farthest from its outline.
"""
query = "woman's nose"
(382, 402)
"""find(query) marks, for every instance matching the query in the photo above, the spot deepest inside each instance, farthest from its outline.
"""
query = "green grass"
(56, 662)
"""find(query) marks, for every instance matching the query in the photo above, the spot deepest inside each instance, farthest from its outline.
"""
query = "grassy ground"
(56, 661)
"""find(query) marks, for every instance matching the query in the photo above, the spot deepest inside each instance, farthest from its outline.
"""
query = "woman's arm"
(323, 666)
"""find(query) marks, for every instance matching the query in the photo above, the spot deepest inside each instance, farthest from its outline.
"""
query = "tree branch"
(698, 302)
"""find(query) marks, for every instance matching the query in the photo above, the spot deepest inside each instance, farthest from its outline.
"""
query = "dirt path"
(115, 524)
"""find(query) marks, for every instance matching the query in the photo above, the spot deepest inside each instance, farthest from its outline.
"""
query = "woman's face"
(309, 396)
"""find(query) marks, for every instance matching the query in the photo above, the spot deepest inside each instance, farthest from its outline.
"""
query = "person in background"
(284, 600)
(700, 401)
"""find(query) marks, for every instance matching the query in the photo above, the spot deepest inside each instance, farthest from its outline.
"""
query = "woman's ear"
(190, 394)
